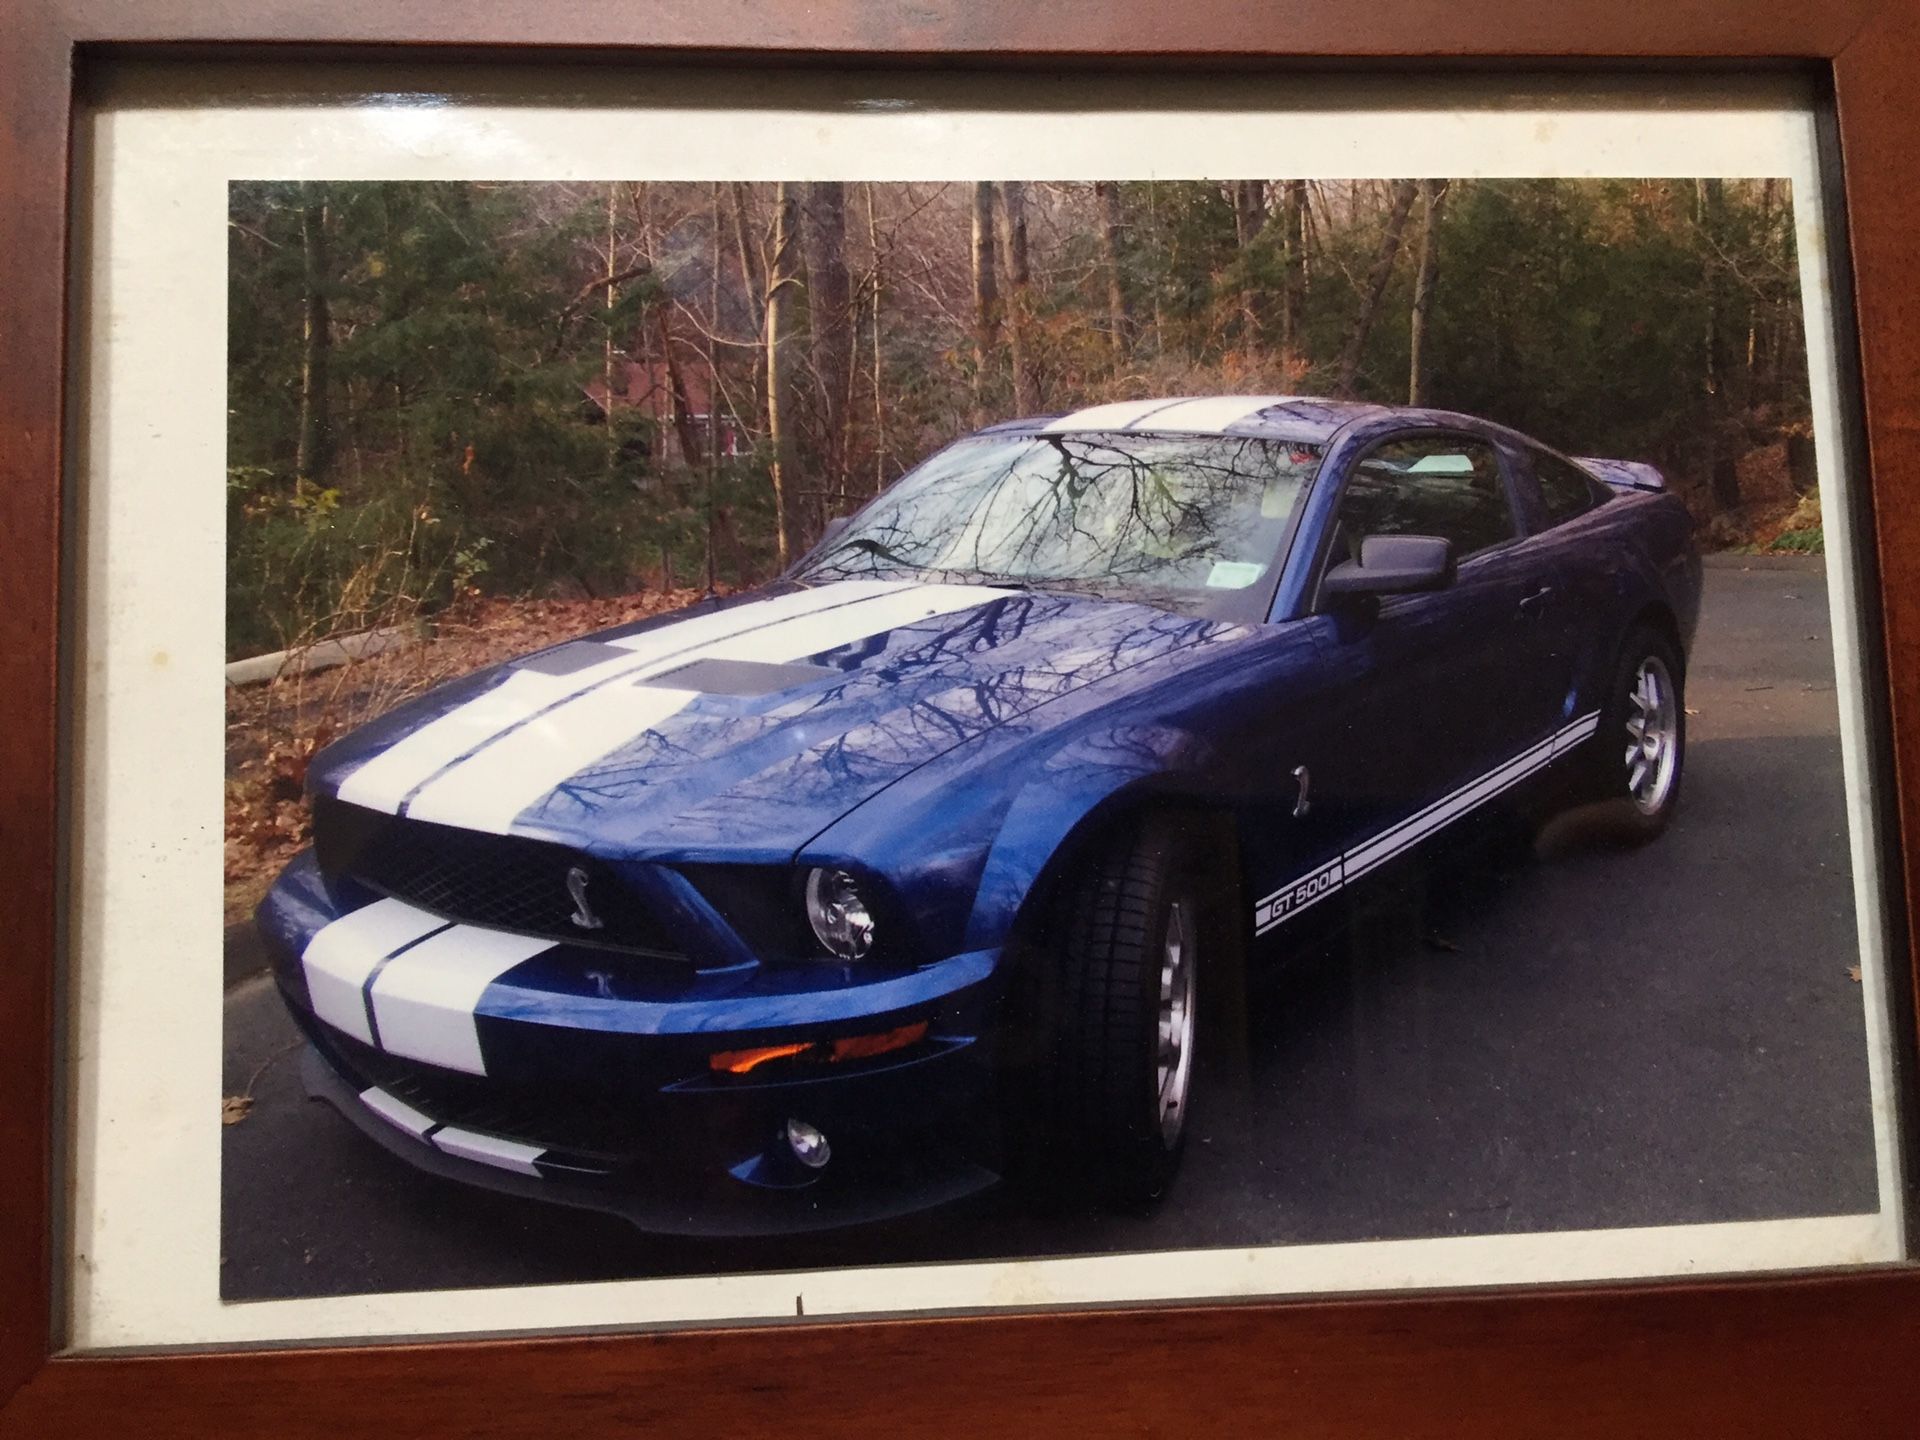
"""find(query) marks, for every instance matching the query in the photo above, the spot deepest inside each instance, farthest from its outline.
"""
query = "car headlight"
(838, 913)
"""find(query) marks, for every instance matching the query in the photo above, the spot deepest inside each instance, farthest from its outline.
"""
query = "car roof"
(1302, 418)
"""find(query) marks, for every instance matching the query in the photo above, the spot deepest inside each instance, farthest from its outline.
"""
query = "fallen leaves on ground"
(234, 1109)
(1853, 973)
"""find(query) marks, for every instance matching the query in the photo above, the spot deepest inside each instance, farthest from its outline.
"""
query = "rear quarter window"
(1565, 489)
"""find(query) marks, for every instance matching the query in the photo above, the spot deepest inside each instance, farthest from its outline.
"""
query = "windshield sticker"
(1233, 574)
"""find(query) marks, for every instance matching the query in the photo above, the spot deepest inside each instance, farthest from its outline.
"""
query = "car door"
(1574, 571)
(1438, 692)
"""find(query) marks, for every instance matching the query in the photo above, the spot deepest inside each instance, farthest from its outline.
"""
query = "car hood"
(740, 730)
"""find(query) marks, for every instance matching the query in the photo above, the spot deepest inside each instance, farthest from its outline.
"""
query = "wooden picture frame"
(1762, 1355)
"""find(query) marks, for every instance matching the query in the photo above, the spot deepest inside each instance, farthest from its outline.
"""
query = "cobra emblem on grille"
(583, 915)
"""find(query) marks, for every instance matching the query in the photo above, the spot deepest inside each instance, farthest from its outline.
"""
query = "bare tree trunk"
(1112, 229)
(830, 317)
(1403, 196)
(1435, 194)
(1013, 256)
(713, 376)
(1709, 204)
(606, 361)
(782, 281)
(1293, 294)
(879, 403)
(315, 446)
(753, 277)
(986, 294)
(1249, 219)
(1249, 211)
(683, 427)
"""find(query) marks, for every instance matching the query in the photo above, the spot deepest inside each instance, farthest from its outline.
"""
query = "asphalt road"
(1511, 1037)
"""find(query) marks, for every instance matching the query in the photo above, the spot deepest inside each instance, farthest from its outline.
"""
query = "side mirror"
(1393, 565)
(831, 530)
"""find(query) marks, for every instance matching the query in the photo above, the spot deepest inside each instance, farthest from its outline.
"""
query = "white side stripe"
(488, 1149)
(1290, 899)
(343, 953)
(385, 780)
(489, 790)
(423, 1002)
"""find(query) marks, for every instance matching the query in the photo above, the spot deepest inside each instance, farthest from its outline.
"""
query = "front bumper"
(572, 1078)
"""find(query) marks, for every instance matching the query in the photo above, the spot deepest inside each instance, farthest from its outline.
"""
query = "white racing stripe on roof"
(1206, 417)
(489, 790)
(424, 999)
(1115, 416)
(344, 952)
(384, 781)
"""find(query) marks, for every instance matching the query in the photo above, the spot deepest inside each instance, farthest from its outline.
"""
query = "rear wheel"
(1114, 1009)
(1639, 750)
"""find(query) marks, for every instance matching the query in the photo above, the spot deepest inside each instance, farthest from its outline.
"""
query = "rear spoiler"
(1625, 474)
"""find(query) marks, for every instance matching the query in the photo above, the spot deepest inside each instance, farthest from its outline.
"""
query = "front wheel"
(1113, 1006)
(1640, 746)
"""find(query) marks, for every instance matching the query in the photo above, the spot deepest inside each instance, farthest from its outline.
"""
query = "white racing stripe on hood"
(488, 790)
(384, 781)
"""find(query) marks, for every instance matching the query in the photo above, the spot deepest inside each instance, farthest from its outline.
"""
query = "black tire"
(1090, 1111)
(1642, 813)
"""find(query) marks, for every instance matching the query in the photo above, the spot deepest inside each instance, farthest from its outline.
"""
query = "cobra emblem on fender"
(583, 915)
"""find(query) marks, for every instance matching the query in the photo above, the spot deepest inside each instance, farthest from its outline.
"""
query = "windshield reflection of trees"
(1142, 515)
(721, 770)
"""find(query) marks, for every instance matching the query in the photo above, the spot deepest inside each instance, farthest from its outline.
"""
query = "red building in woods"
(679, 401)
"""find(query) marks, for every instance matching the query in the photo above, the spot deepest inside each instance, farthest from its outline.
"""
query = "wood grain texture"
(1804, 1358)
(33, 153)
(1007, 29)
(1831, 1355)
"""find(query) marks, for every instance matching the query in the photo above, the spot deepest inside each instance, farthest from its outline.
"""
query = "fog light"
(838, 913)
(809, 1146)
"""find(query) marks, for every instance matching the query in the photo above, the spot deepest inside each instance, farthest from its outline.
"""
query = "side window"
(1565, 489)
(1446, 485)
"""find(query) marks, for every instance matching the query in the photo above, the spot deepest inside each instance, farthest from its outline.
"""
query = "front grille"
(504, 882)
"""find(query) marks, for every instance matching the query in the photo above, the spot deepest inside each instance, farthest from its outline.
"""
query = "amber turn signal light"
(847, 1047)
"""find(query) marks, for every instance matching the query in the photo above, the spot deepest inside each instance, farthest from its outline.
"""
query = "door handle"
(1536, 602)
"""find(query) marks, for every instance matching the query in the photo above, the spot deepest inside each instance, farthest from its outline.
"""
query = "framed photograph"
(697, 739)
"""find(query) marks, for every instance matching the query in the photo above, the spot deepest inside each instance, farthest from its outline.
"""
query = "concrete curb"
(322, 655)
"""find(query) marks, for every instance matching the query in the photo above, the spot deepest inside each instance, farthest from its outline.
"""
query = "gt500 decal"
(1290, 899)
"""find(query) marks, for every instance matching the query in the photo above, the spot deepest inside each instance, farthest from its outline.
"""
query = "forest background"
(447, 391)
(467, 420)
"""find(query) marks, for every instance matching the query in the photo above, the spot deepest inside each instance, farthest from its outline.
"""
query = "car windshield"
(1192, 523)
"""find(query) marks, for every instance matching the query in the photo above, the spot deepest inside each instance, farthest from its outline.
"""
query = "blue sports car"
(857, 893)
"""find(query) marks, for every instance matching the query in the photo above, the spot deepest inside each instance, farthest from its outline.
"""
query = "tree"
(1376, 287)
(1434, 193)
(753, 280)
(1293, 292)
(1112, 247)
(986, 293)
(1013, 252)
(315, 451)
(782, 280)
(830, 321)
